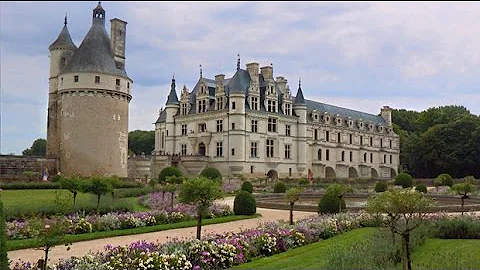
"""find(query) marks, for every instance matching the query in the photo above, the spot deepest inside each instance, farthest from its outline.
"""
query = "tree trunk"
(407, 264)
(74, 197)
(463, 201)
(291, 213)
(46, 258)
(98, 201)
(171, 203)
(199, 224)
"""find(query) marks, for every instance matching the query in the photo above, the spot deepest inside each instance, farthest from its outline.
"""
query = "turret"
(300, 109)
(171, 108)
(99, 15)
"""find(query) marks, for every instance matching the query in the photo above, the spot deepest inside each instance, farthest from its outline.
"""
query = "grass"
(309, 256)
(31, 243)
(448, 254)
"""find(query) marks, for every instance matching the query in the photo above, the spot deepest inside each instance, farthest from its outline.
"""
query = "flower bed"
(216, 251)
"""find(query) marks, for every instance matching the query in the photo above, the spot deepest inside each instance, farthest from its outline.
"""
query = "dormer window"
(254, 103)
(350, 123)
(271, 90)
(202, 106)
(271, 106)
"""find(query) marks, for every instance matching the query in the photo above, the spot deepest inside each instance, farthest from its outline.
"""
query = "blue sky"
(357, 55)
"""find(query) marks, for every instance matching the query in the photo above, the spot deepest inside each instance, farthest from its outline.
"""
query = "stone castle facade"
(252, 125)
(89, 95)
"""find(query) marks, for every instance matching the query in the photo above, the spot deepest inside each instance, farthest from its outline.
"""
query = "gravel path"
(82, 248)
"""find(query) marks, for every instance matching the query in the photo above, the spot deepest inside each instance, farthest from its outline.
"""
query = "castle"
(251, 125)
(89, 95)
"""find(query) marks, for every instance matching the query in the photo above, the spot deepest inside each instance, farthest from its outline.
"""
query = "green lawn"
(448, 254)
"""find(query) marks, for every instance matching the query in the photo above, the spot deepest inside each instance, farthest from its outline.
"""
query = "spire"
(299, 99)
(99, 15)
(201, 76)
(64, 40)
(238, 62)
(172, 97)
(65, 22)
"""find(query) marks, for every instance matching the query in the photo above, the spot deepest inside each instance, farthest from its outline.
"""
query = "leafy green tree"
(381, 187)
(445, 179)
(200, 192)
(421, 188)
(38, 148)
(99, 186)
(73, 183)
(463, 189)
(406, 210)
(4, 263)
(213, 174)
(164, 176)
(141, 141)
(291, 196)
(51, 235)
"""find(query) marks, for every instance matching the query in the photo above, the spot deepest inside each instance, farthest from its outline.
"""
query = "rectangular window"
(219, 125)
(287, 130)
(289, 171)
(371, 157)
(233, 151)
(233, 126)
(254, 103)
(327, 136)
(184, 149)
(184, 108)
(271, 106)
(371, 141)
(351, 138)
(254, 126)
(351, 156)
(272, 125)
(233, 105)
(343, 155)
(202, 127)
(251, 169)
(220, 103)
(390, 143)
(117, 82)
(365, 157)
(315, 134)
(384, 158)
(288, 109)
(361, 140)
(253, 149)
(339, 137)
(184, 129)
(381, 142)
(219, 149)
(128, 85)
(390, 159)
(269, 148)
(287, 151)
(97, 79)
(327, 154)
(75, 78)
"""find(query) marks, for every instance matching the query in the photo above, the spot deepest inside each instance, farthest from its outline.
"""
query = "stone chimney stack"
(219, 81)
(267, 72)
(252, 69)
(282, 84)
(386, 113)
(117, 41)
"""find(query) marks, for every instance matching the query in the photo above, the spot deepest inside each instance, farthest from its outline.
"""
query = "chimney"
(386, 113)
(282, 84)
(252, 69)
(118, 34)
(219, 81)
(267, 72)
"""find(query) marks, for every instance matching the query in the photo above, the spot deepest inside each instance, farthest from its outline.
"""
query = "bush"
(304, 182)
(167, 172)
(421, 188)
(30, 185)
(244, 204)
(212, 174)
(3, 240)
(445, 179)
(404, 179)
(280, 187)
(381, 187)
(465, 228)
(330, 203)
(247, 186)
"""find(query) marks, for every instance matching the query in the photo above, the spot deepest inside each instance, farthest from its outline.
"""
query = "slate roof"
(172, 97)
(239, 82)
(162, 117)
(63, 41)
(299, 99)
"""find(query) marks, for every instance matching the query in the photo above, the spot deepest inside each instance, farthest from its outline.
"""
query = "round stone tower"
(92, 98)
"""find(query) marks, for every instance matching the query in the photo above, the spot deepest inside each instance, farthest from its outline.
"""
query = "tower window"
(233, 151)
(233, 105)
(128, 85)
(233, 126)
(75, 78)
(97, 79)
(117, 82)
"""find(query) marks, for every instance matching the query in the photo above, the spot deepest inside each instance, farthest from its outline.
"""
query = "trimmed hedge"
(445, 179)
(457, 229)
(247, 186)
(381, 187)
(212, 174)
(3, 240)
(167, 172)
(421, 188)
(280, 187)
(30, 185)
(404, 179)
(330, 204)
(244, 204)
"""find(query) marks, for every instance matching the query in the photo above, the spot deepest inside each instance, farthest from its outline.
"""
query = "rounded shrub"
(244, 204)
(421, 188)
(167, 172)
(404, 179)
(280, 187)
(445, 179)
(212, 174)
(330, 204)
(247, 186)
(381, 187)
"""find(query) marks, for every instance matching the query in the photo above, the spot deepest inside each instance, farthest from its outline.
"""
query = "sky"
(356, 55)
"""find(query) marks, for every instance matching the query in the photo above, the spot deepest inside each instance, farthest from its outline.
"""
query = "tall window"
(253, 149)
(319, 154)
(163, 140)
(219, 149)
(343, 155)
(184, 149)
(233, 126)
(75, 78)
(219, 103)
(361, 140)
(287, 151)
(254, 103)
(271, 106)
(233, 105)
(287, 130)
(272, 124)
(351, 156)
(327, 136)
(269, 148)
(202, 127)
(371, 141)
(288, 109)
(390, 159)
(219, 125)
(233, 151)
(327, 154)
(371, 157)
(351, 138)
(381, 142)
(365, 157)
(390, 143)
(315, 134)
(338, 137)
(184, 129)
(254, 126)
(117, 82)
(202, 106)
(184, 108)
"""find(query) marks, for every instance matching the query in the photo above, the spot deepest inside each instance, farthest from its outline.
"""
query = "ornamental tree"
(98, 186)
(463, 189)
(73, 184)
(291, 196)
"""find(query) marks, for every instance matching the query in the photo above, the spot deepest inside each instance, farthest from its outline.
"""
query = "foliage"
(457, 228)
(141, 141)
(292, 196)
(244, 203)
(30, 185)
(332, 201)
(404, 179)
(381, 187)
(73, 183)
(200, 192)
(4, 263)
(280, 187)
(304, 181)
(98, 186)
(247, 186)
(445, 179)
(463, 189)
(168, 172)
(51, 235)
(212, 173)
(421, 188)
(38, 148)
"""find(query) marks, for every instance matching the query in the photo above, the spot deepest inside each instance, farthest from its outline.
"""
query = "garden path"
(81, 248)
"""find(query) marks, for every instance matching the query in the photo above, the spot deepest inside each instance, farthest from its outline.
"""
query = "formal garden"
(399, 225)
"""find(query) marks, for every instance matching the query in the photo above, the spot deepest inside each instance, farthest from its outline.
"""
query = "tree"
(201, 192)
(406, 210)
(51, 235)
(445, 179)
(39, 148)
(141, 141)
(463, 189)
(404, 179)
(291, 196)
(4, 264)
(98, 186)
(212, 173)
(165, 174)
(73, 183)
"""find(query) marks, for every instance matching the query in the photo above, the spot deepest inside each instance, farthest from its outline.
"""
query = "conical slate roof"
(95, 54)
(172, 97)
(299, 99)
(63, 41)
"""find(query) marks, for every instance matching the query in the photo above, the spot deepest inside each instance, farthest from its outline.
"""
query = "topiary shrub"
(167, 172)
(404, 179)
(421, 188)
(3, 240)
(280, 188)
(330, 204)
(212, 173)
(381, 187)
(247, 186)
(244, 204)
(445, 179)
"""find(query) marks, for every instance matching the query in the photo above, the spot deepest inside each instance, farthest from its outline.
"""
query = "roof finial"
(299, 83)
(173, 77)
(238, 62)
(65, 22)
(200, 71)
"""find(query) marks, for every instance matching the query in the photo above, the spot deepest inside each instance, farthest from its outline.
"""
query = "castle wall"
(13, 167)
